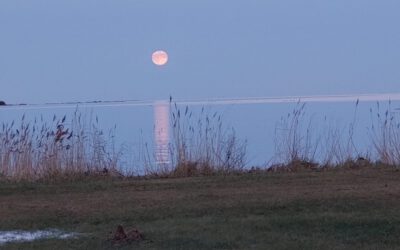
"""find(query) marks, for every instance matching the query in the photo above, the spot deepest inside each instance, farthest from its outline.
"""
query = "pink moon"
(159, 57)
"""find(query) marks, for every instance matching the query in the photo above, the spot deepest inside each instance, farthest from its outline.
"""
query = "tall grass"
(299, 142)
(42, 150)
(295, 141)
(203, 144)
(200, 145)
(385, 135)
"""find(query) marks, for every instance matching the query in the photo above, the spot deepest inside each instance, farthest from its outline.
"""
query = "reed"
(302, 143)
(385, 135)
(200, 145)
(383, 141)
(295, 141)
(59, 149)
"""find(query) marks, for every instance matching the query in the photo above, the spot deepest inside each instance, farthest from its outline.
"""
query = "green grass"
(332, 209)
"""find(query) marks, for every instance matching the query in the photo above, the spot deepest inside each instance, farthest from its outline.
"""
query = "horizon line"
(214, 101)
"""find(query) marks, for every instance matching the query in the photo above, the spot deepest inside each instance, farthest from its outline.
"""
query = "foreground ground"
(335, 209)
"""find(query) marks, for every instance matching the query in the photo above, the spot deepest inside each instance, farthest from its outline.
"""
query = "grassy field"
(332, 209)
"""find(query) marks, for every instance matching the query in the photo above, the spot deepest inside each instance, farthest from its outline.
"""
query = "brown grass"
(200, 145)
(302, 142)
(63, 149)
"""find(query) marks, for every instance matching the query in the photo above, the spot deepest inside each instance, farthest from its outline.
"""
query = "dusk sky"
(55, 51)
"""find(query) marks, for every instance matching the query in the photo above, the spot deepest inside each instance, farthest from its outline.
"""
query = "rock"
(132, 235)
(119, 234)
(2, 103)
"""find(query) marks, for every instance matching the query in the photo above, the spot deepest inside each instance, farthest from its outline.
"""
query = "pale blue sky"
(74, 50)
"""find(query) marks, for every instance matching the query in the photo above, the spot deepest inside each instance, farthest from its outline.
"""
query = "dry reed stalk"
(298, 141)
(39, 150)
(294, 142)
(200, 145)
(385, 135)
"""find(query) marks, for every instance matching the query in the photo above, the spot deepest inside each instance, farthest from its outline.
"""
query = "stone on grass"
(131, 235)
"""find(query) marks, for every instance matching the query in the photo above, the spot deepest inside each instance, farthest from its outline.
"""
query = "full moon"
(159, 57)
